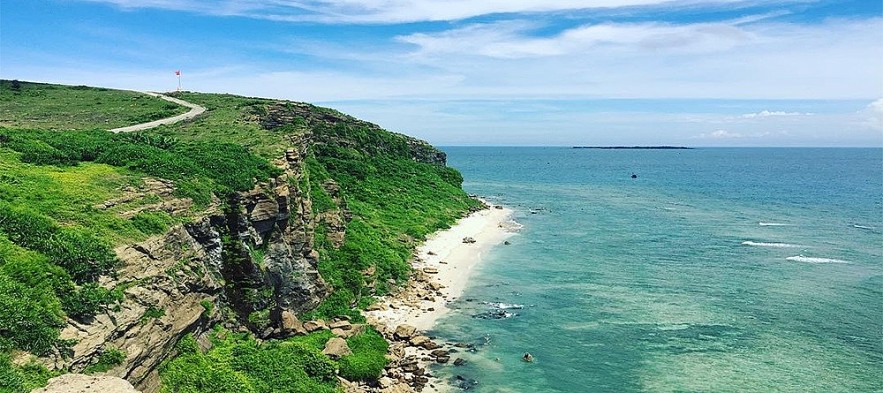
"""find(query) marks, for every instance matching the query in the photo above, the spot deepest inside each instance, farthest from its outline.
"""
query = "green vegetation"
(108, 359)
(395, 202)
(152, 313)
(57, 230)
(55, 107)
(22, 379)
(368, 358)
(231, 119)
(237, 363)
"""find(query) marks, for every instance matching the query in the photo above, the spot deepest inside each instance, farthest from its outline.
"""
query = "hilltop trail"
(195, 110)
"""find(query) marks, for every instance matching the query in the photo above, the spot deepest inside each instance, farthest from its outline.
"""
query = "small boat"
(634, 176)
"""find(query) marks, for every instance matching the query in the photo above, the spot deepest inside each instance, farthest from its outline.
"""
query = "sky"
(491, 72)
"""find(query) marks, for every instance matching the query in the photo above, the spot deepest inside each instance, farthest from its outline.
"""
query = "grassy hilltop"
(71, 192)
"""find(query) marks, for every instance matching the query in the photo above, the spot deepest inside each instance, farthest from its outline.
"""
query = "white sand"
(455, 261)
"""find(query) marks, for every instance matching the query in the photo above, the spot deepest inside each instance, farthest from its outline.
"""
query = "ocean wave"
(801, 258)
(506, 306)
(774, 245)
(773, 224)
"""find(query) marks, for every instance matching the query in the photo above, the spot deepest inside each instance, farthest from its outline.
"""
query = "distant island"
(636, 147)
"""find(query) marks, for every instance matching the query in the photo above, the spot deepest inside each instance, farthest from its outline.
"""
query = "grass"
(54, 182)
(238, 363)
(231, 119)
(57, 107)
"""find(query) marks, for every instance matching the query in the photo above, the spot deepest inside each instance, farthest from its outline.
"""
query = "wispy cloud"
(721, 134)
(766, 113)
(390, 11)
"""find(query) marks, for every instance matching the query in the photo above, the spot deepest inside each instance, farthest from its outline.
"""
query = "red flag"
(178, 72)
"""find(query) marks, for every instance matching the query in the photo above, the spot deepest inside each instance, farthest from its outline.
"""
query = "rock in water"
(79, 383)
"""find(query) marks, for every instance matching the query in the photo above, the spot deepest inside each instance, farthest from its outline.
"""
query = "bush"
(88, 300)
(80, 253)
(152, 223)
(237, 363)
(108, 359)
(29, 318)
(368, 358)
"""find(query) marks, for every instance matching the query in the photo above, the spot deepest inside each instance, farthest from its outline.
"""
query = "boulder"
(468, 240)
(336, 348)
(79, 383)
(419, 340)
(290, 323)
(312, 326)
(404, 332)
(343, 325)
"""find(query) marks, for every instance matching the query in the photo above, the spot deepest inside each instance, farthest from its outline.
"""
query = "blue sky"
(492, 72)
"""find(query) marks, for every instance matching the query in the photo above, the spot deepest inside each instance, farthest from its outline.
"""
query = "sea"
(712, 270)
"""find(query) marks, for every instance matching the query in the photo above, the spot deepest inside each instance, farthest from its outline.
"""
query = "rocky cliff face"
(245, 265)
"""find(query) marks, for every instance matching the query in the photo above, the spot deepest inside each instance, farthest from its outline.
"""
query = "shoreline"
(442, 267)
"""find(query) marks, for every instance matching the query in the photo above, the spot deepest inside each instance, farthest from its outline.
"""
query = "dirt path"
(195, 110)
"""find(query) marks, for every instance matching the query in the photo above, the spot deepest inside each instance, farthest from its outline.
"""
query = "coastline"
(442, 267)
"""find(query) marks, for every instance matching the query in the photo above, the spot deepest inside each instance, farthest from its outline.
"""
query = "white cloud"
(766, 113)
(873, 115)
(721, 134)
(387, 11)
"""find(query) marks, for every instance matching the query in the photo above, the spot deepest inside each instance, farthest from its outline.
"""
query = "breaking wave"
(774, 245)
(801, 258)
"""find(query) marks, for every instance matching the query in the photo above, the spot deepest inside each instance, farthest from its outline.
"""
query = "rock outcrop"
(254, 257)
(79, 383)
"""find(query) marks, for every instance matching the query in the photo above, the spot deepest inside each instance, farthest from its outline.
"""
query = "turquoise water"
(715, 270)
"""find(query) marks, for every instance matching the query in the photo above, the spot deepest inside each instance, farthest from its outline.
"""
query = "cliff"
(274, 212)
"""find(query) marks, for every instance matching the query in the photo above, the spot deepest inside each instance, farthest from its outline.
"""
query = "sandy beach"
(444, 263)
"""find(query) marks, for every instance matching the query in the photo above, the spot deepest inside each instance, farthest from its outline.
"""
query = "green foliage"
(29, 317)
(207, 308)
(395, 201)
(237, 363)
(152, 313)
(368, 358)
(37, 105)
(83, 255)
(108, 359)
(89, 300)
(260, 318)
(225, 167)
(152, 223)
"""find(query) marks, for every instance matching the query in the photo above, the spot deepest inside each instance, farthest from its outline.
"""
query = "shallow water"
(715, 270)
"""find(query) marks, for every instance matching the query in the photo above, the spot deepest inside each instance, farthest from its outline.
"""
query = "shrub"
(88, 300)
(152, 223)
(29, 318)
(108, 359)
(368, 358)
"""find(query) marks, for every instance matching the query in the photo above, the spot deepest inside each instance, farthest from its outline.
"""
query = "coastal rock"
(459, 361)
(404, 331)
(336, 348)
(418, 341)
(290, 323)
(312, 326)
(79, 383)
(343, 325)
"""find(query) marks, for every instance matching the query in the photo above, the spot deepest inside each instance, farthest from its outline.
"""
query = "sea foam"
(865, 227)
(774, 245)
(801, 258)
(772, 224)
